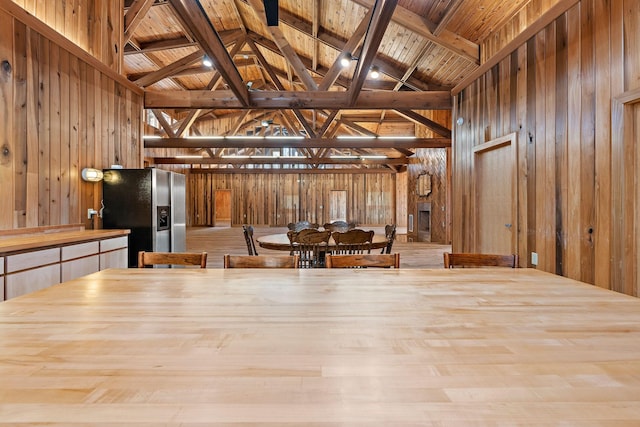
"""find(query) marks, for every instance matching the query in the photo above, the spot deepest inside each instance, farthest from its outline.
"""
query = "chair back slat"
(363, 260)
(339, 226)
(261, 261)
(310, 245)
(452, 260)
(149, 259)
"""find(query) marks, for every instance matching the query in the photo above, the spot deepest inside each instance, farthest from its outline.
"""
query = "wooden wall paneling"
(75, 101)
(631, 24)
(587, 147)
(520, 71)
(401, 198)
(572, 227)
(55, 142)
(43, 131)
(112, 115)
(561, 172)
(64, 201)
(33, 135)
(617, 151)
(602, 197)
(7, 144)
(548, 250)
(529, 144)
(19, 124)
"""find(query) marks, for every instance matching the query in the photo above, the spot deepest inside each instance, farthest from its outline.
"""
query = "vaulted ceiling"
(286, 82)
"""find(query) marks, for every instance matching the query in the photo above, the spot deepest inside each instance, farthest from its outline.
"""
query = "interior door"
(338, 205)
(495, 196)
(222, 208)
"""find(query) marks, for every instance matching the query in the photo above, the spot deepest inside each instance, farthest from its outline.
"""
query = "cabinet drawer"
(80, 250)
(31, 280)
(1, 266)
(115, 243)
(33, 259)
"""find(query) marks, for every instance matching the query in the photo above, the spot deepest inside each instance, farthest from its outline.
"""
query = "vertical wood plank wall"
(95, 26)
(577, 199)
(278, 199)
(59, 115)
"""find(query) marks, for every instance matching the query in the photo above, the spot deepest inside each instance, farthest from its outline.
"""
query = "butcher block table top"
(35, 241)
(320, 347)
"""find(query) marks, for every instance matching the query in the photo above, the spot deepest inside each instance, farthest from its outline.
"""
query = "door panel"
(337, 205)
(495, 196)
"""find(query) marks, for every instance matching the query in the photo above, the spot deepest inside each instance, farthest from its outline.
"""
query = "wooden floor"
(217, 241)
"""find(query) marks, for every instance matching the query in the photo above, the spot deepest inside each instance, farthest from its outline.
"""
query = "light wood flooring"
(217, 241)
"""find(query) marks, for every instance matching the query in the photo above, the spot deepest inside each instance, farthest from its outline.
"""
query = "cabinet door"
(80, 267)
(114, 253)
(114, 259)
(31, 280)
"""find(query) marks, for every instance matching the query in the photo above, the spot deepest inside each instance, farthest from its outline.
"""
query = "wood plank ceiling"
(287, 81)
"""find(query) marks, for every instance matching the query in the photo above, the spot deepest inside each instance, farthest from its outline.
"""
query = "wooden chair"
(149, 259)
(390, 235)
(338, 226)
(363, 260)
(261, 261)
(302, 225)
(452, 260)
(354, 241)
(310, 245)
(248, 238)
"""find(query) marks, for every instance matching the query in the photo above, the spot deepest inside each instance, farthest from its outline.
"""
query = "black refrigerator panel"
(127, 198)
(142, 201)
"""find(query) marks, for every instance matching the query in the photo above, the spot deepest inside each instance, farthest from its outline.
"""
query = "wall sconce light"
(91, 175)
(346, 59)
(375, 72)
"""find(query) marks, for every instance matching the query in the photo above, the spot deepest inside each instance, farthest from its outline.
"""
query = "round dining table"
(280, 242)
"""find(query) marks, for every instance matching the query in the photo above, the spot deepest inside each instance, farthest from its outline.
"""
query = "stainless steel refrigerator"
(151, 203)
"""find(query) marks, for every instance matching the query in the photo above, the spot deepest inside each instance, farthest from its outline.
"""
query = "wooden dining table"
(280, 242)
(285, 347)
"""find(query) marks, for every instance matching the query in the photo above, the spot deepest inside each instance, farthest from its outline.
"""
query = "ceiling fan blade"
(271, 10)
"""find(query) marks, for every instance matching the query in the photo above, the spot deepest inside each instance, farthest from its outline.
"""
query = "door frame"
(512, 141)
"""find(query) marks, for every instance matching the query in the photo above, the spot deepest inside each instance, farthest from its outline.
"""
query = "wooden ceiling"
(286, 80)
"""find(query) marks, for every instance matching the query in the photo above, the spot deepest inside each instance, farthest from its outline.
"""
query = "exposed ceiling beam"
(423, 27)
(309, 170)
(277, 161)
(134, 16)
(382, 12)
(194, 16)
(275, 142)
(177, 43)
(287, 50)
(170, 69)
(422, 120)
(349, 47)
(436, 100)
